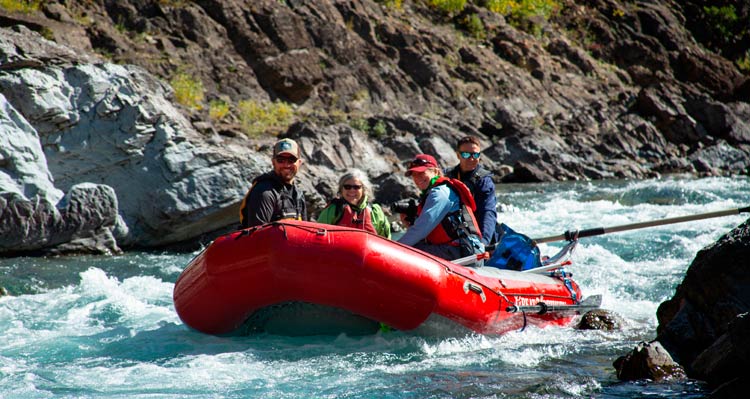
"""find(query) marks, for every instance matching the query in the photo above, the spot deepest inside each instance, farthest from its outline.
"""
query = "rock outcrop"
(705, 325)
(110, 125)
(604, 89)
(649, 361)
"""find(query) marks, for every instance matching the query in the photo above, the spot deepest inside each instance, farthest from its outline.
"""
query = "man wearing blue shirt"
(479, 181)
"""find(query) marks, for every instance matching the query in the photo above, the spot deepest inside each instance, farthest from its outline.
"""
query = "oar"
(467, 260)
(572, 235)
(592, 302)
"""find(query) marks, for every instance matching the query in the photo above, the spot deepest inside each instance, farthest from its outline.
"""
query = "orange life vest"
(358, 219)
(456, 223)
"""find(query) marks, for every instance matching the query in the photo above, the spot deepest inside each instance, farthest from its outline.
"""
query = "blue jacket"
(440, 201)
(482, 188)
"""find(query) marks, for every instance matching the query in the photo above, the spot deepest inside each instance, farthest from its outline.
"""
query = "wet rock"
(648, 361)
(600, 319)
(704, 325)
(82, 222)
(728, 357)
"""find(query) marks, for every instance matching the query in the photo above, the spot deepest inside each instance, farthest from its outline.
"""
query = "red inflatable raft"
(283, 273)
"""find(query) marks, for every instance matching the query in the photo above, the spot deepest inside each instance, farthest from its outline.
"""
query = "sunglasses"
(467, 155)
(286, 159)
(420, 162)
(352, 186)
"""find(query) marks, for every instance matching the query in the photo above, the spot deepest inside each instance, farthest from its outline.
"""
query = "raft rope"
(525, 323)
(566, 280)
(565, 275)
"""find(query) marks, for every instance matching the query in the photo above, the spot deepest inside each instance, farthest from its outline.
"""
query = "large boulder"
(704, 325)
(82, 222)
(35, 216)
(116, 125)
(649, 361)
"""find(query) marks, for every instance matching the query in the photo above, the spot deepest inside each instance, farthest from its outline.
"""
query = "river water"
(105, 327)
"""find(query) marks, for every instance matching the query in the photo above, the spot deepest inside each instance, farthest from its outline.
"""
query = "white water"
(94, 327)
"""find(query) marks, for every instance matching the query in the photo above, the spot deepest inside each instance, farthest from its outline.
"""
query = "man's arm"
(382, 226)
(486, 213)
(260, 203)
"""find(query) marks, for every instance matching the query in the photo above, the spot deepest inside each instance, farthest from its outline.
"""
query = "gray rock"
(81, 222)
(23, 166)
(114, 125)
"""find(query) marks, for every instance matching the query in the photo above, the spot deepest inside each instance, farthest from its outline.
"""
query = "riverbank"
(601, 94)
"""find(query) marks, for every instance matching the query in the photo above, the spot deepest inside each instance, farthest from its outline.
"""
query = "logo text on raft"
(526, 301)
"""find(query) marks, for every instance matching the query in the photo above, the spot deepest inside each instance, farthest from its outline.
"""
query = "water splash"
(105, 327)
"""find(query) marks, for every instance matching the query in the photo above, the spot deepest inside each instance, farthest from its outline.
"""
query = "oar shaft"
(571, 235)
(592, 302)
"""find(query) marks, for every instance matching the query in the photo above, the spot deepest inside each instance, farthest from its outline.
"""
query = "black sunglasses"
(351, 186)
(419, 162)
(281, 159)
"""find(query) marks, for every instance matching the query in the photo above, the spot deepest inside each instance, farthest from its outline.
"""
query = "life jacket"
(472, 182)
(356, 218)
(289, 205)
(458, 224)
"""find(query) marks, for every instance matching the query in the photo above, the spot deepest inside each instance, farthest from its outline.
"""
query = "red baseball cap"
(420, 163)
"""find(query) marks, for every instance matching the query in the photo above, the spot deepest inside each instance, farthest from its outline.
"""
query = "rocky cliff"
(594, 89)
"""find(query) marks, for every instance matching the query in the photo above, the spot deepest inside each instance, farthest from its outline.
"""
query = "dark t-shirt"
(271, 199)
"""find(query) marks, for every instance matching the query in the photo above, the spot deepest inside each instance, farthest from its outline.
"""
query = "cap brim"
(416, 169)
(287, 153)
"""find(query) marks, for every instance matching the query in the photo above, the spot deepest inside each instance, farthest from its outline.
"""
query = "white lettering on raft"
(526, 301)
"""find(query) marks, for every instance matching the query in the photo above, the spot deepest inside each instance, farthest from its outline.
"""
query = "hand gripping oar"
(573, 235)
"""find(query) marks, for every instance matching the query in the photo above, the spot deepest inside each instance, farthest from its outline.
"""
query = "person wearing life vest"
(274, 195)
(479, 180)
(445, 224)
(351, 207)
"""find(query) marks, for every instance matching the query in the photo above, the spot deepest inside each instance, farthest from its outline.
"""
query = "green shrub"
(218, 109)
(187, 90)
(722, 21)
(380, 129)
(521, 10)
(474, 26)
(525, 14)
(743, 63)
(360, 124)
(391, 3)
(259, 118)
(24, 6)
(448, 6)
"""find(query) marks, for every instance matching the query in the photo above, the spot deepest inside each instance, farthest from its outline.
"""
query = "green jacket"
(331, 214)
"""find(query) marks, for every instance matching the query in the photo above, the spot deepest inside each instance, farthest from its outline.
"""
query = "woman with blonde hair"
(445, 225)
(352, 208)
